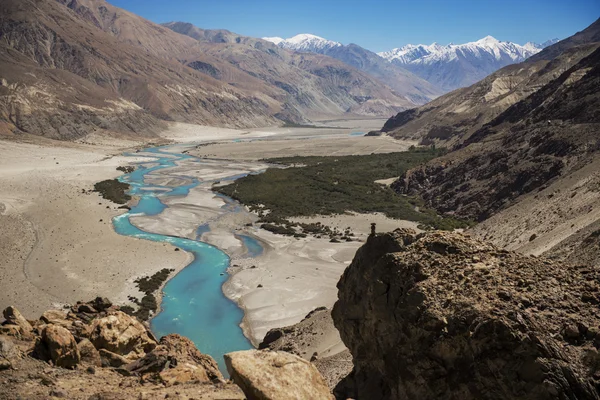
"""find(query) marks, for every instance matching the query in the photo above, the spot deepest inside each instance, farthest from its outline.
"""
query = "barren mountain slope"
(259, 68)
(452, 118)
(311, 83)
(548, 135)
(64, 78)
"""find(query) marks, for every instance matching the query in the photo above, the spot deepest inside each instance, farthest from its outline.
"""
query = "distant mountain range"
(445, 67)
(402, 81)
(459, 65)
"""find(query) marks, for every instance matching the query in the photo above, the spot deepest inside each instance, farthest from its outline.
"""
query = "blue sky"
(380, 24)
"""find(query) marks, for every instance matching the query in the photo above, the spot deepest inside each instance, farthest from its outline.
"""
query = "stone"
(86, 308)
(121, 334)
(14, 317)
(56, 317)
(11, 330)
(110, 359)
(5, 364)
(88, 353)
(101, 303)
(177, 360)
(58, 345)
(275, 375)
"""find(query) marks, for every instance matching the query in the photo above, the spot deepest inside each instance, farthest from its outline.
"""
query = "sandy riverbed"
(57, 244)
(292, 276)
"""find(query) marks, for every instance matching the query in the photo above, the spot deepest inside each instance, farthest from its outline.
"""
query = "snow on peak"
(305, 42)
(275, 39)
(488, 40)
(486, 48)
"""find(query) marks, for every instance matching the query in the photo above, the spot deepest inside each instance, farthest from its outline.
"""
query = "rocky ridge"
(440, 315)
(546, 136)
(94, 350)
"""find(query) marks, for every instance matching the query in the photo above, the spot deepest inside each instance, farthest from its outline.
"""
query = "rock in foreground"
(96, 351)
(442, 316)
(275, 375)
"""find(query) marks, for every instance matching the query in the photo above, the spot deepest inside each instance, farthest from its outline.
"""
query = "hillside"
(70, 68)
(530, 173)
(64, 78)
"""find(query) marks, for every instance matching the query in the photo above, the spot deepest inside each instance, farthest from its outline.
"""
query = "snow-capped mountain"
(403, 82)
(453, 66)
(304, 42)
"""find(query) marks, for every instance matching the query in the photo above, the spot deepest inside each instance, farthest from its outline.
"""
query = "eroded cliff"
(442, 316)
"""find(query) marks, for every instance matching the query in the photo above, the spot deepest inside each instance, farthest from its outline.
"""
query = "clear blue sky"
(380, 24)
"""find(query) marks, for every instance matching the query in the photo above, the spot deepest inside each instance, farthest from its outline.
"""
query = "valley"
(197, 213)
(276, 285)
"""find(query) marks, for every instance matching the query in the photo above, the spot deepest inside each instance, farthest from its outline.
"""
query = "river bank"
(57, 244)
(75, 254)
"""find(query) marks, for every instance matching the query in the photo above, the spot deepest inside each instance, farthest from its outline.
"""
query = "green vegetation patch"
(333, 185)
(113, 190)
(149, 285)
(126, 169)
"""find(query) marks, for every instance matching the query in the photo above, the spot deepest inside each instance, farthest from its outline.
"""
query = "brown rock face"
(275, 375)
(176, 360)
(121, 334)
(442, 316)
(13, 317)
(59, 345)
(88, 353)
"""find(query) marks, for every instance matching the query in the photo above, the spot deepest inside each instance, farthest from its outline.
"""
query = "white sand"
(57, 244)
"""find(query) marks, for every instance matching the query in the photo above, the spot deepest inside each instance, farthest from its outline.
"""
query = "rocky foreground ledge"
(442, 316)
(96, 351)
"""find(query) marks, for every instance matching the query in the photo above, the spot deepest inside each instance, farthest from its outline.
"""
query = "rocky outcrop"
(176, 360)
(315, 339)
(442, 316)
(121, 334)
(296, 378)
(96, 351)
(15, 324)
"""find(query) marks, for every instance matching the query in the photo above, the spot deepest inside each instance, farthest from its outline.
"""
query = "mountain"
(523, 150)
(451, 119)
(403, 82)
(73, 67)
(309, 85)
(454, 66)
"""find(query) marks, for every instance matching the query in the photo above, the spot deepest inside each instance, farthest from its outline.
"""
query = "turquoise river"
(193, 303)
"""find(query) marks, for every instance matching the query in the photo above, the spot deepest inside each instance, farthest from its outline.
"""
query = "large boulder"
(121, 334)
(56, 317)
(275, 375)
(176, 360)
(14, 319)
(58, 345)
(442, 316)
(8, 352)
